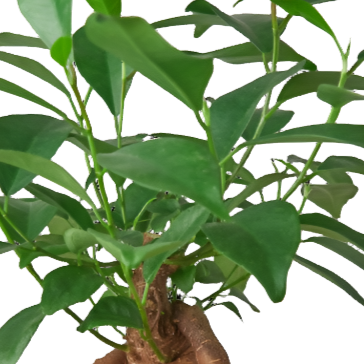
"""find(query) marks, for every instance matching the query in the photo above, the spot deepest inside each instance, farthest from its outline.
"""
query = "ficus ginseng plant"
(170, 188)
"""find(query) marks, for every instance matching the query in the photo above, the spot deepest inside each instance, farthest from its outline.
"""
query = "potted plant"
(171, 225)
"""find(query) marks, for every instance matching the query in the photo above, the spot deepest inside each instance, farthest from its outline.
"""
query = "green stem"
(284, 23)
(136, 220)
(145, 294)
(122, 104)
(121, 198)
(199, 119)
(276, 36)
(6, 203)
(266, 65)
(355, 66)
(88, 94)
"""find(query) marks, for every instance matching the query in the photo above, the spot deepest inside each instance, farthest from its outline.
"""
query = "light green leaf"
(332, 277)
(17, 40)
(36, 134)
(332, 197)
(181, 166)
(107, 7)
(59, 225)
(337, 96)
(264, 249)
(135, 42)
(78, 240)
(16, 334)
(68, 285)
(184, 278)
(208, 272)
(113, 311)
(231, 113)
(61, 50)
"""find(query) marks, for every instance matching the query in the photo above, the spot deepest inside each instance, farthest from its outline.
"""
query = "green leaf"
(337, 96)
(100, 69)
(68, 285)
(35, 68)
(17, 40)
(13, 89)
(30, 217)
(332, 277)
(45, 168)
(275, 123)
(159, 221)
(135, 42)
(341, 164)
(181, 166)
(255, 186)
(184, 278)
(131, 237)
(237, 293)
(68, 205)
(183, 229)
(343, 249)
(249, 53)
(61, 50)
(265, 250)
(78, 240)
(261, 36)
(332, 197)
(51, 19)
(113, 311)
(164, 206)
(329, 133)
(231, 113)
(107, 7)
(307, 11)
(208, 272)
(16, 334)
(6, 247)
(313, 2)
(331, 228)
(36, 134)
(231, 306)
(308, 82)
(59, 225)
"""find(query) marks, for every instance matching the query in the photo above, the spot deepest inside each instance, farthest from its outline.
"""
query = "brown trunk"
(182, 332)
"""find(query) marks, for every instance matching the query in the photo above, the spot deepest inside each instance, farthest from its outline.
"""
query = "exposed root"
(115, 357)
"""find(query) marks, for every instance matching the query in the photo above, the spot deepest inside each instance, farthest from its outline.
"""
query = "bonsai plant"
(170, 188)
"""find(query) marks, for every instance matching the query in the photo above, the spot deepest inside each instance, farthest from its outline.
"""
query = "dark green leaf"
(30, 217)
(181, 166)
(343, 249)
(183, 229)
(159, 221)
(36, 134)
(81, 142)
(237, 293)
(90, 179)
(208, 272)
(331, 228)
(78, 240)
(332, 197)
(45, 168)
(184, 278)
(231, 113)
(107, 7)
(231, 306)
(336, 96)
(16, 334)
(313, 2)
(341, 164)
(165, 207)
(6, 247)
(113, 311)
(308, 82)
(135, 42)
(17, 40)
(361, 55)
(332, 277)
(68, 285)
(68, 205)
(130, 237)
(265, 250)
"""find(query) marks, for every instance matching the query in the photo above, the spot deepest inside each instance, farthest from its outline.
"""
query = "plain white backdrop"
(317, 322)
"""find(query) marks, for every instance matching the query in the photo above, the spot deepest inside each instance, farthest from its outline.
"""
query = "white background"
(317, 322)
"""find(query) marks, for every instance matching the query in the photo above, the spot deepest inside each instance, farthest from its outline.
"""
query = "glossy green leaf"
(45, 168)
(331, 228)
(107, 7)
(68, 205)
(308, 82)
(16, 334)
(36, 134)
(183, 229)
(6, 247)
(306, 10)
(181, 166)
(184, 278)
(265, 250)
(30, 217)
(35, 68)
(343, 249)
(275, 123)
(231, 113)
(17, 40)
(78, 240)
(51, 20)
(332, 277)
(100, 69)
(13, 89)
(113, 311)
(208, 272)
(231, 306)
(61, 50)
(237, 293)
(332, 197)
(336, 96)
(68, 285)
(135, 42)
